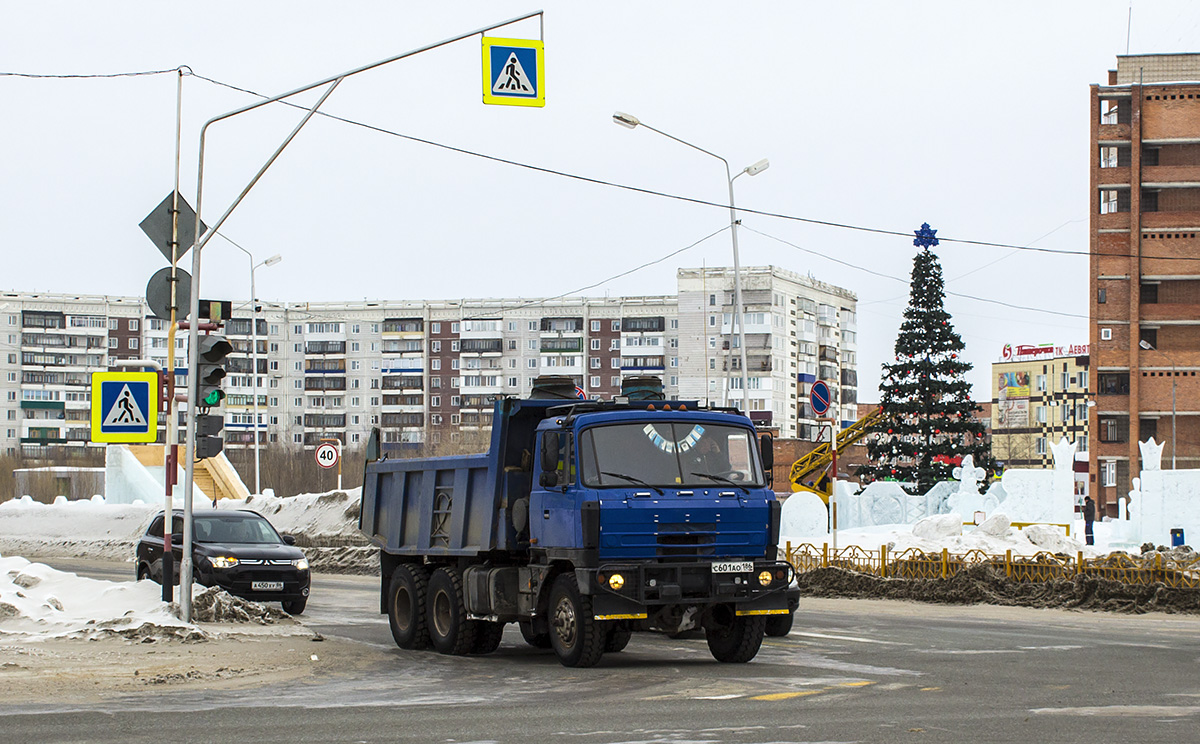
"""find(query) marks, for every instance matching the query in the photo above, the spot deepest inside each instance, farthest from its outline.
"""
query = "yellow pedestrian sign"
(124, 406)
(514, 72)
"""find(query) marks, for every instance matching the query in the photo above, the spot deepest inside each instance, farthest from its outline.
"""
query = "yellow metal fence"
(912, 563)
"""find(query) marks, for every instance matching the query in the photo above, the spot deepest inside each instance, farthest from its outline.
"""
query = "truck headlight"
(765, 577)
(616, 581)
(223, 561)
(301, 564)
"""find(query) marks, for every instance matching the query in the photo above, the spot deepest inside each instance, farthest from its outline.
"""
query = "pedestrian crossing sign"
(124, 406)
(514, 72)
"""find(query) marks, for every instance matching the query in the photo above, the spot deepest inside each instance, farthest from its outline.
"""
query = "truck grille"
(686, 540)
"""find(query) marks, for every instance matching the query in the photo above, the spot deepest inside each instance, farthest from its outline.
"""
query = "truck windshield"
(668, 455)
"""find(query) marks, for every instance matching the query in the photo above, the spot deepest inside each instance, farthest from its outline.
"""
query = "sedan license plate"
(266, 586)
(733, 567)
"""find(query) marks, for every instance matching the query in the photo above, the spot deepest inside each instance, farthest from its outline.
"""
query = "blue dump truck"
(584, 522)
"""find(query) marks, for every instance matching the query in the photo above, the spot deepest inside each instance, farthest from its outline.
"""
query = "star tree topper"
(926, 236)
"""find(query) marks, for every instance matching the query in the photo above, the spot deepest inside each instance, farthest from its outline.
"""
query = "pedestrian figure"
(126, 404)
(514, 77)
(1089, 516)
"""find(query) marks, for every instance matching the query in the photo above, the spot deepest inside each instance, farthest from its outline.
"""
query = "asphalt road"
(851, 670)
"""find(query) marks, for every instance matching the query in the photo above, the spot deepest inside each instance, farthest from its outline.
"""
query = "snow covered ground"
(38, 602)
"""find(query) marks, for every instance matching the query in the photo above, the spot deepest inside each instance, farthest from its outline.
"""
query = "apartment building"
(1145, 267)
(1040, 394)
(797, 329)
(427, 371)
(50, 346)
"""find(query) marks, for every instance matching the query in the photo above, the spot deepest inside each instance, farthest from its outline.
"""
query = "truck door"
(553, 511)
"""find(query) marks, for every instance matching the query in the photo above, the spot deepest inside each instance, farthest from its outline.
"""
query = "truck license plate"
(733, 567)
(266, 586)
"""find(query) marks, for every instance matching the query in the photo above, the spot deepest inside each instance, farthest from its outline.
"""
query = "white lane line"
(855, 639)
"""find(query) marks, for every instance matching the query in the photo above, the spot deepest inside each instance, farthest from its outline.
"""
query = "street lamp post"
(254, 350)
(1150, 347)
(630, 121)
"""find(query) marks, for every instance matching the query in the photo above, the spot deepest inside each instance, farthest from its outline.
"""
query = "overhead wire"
(688, 199)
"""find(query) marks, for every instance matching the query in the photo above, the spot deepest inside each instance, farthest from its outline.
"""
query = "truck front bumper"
(643, 586)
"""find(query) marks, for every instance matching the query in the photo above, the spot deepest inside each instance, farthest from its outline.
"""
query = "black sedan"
(238, 551)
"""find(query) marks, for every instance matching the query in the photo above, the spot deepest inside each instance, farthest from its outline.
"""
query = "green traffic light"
(214, 398)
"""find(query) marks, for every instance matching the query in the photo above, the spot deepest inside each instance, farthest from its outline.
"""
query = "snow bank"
(323, 519)
(91, 528)
(38, 602)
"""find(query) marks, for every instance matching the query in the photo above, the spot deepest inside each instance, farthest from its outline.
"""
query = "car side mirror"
(766, 450)
(290, 540)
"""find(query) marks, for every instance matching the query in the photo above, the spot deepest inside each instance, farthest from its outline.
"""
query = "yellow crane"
(809, 473)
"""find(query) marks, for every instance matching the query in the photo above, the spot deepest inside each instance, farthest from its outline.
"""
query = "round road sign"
(327, 455)
(819, 396)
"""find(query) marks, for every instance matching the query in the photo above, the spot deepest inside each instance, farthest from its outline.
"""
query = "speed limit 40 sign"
(327, 455)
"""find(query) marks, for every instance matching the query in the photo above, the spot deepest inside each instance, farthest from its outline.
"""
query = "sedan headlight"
(301, 564)
(223, 561)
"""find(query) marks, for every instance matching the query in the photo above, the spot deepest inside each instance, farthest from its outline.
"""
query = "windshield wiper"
(722, 479)
(631, 479)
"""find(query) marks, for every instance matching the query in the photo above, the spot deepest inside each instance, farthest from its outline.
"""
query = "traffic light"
(211, 353)
(208, 430)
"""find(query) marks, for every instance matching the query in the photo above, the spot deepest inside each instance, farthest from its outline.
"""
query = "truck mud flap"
(614, 607)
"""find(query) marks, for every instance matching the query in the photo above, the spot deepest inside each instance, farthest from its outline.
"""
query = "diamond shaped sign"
(157, 227)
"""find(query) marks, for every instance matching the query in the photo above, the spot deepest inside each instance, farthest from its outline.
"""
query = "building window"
(615, 381)
(1106, 334)
(133, 343)
(1102, 296)
(616, 325)
(435, 364)
(454, 327)
(1040, 445)
(1041, 383)
(594, 362)
(595, 326)
(1108, 473)
(112, 343)
(595, 344)
(594, 381)
(435, 401)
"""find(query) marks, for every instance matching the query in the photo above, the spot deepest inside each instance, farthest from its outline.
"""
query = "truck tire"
(450, 631)
(487, 636)
(537, 640)
(406, 606)
(779, 625)
(737, 642)
(617, 640)
(575, 636)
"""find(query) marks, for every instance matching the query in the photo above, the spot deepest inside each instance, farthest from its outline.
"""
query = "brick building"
(1144, 267)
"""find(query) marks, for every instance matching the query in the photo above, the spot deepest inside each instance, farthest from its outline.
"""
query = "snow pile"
(316, 519)
(89, 528)
(38, 602)
(215, 605)
(996, 536)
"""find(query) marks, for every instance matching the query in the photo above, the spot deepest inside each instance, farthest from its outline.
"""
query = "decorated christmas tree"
(928, 424)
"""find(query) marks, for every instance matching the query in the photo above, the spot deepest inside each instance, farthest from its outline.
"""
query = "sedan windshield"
(236, 530)
(668, 455)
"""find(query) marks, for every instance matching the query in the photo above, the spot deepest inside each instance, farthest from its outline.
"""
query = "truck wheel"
(577, 639)
(537, 640)
(406, 606)
(779, 625)
(487, 636)
(617, 640)
(449, 629)
(737, 642)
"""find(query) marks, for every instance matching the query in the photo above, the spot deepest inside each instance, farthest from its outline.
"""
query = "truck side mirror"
(549, 453)
(766, 450)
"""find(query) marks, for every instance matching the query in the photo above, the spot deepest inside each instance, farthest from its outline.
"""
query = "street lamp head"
(756, 168)
(1145, 345)
(629, 121)
(273, 260)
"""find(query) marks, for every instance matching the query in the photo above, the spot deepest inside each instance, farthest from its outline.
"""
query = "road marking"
(786, 695)
(855, 639)
(1124, 711)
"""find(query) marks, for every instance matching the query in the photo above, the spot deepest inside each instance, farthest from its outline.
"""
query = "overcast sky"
(874, 114)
